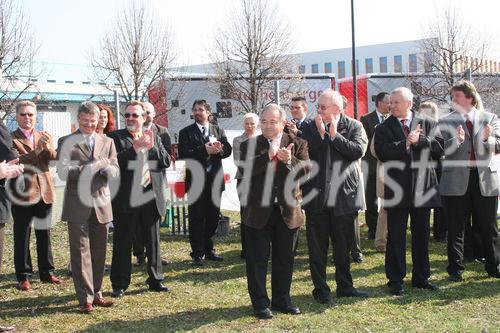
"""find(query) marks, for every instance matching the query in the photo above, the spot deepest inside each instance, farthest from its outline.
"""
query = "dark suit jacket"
(304, 124)
(336, 156)
(73, 155)
(125, 153)
(164, 135)
(192, 146)
(369, 122)
(6, 154)
(390, 145)
(37, 185)
(256, 212)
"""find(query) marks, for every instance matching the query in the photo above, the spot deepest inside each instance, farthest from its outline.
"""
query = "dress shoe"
(213, 257)
(159, 287)
(117, 293)
(165, 262)
(263, 314)
(396, 289)
(358, 259)
(24, 285)
(426, 285)
(51, 279)
(7, 328)
(102, 302)
(288, 309)
(198, 262)
(140, 261)
(353, 293)
(324, 299)
(86, 308)
(455, 278)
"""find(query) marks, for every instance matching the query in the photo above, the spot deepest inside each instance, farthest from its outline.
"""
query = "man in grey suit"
(469, 182)
(86, 158)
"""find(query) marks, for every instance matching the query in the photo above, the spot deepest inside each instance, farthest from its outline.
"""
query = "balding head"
(150, 113)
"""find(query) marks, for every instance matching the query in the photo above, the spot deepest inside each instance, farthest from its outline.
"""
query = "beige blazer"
(74, 159)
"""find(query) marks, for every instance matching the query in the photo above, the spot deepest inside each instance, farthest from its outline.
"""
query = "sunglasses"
(133, 115)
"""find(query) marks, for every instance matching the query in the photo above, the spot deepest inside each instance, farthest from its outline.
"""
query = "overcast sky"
(68, 29)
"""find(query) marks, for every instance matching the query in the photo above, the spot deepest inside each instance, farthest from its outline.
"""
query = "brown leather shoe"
(6, 328)
(86, 308)
(52, 279)
(24, 285)
(102, 302)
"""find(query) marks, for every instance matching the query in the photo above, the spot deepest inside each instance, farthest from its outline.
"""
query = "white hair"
(405, 92)
(274, 106)
(148, 106)
(336, 98)
(251, 115)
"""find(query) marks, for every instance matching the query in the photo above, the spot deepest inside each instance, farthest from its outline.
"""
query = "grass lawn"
(214, 298)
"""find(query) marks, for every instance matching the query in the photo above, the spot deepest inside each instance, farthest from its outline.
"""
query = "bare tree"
(17, 52)
(136, 53)
(450, 47)
(250, 52)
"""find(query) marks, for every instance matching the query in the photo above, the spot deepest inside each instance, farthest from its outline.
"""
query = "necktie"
(468, 124)
(146, 175)
(90, 145)
(298, 123)
(204, 132)
(406, 129)
(275, 157)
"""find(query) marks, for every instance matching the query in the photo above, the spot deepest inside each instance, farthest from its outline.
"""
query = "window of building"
(398, 64)
(368, 65)
(302, 69)
(68, 81)
(328, 67)
(357, 66)
(383, 64)
(412, 63)
(174, 103)
(341, 69)
(314, 68)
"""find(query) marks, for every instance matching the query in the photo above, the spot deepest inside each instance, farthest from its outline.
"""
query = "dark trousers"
(484, 216)
(395, 255)
(203, 220)
(439, 226)
(320, 227)
(242, 230)
(278, 239)
(371, 212)
(2, 238)
(473, 247)
(41, 216)
(123, 236)
(138, 249)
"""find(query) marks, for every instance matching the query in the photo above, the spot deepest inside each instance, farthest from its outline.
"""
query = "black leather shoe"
(159, 287)
(213, 257)
(455, 278)
(289, 309)
(353, 293)
(324, 299)
(263, 314)
(117, 293)
(140, 261)
(198, 262)
(357, 259)
(396, 289)
(426, 285)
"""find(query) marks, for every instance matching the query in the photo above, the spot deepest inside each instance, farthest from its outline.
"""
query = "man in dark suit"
(162, 132)
(272, 216)
(369, 122)
(469, 182)
(298, 109)
(140, 199)
(86, 158)
(32, 205)
(333, 197)
(8, 169)
(407, 144)
(205, 145)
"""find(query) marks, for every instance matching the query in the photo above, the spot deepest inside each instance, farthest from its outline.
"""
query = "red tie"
(468, 123)
(406, 129)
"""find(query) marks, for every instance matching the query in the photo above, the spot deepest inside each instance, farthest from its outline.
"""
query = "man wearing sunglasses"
(140, 199)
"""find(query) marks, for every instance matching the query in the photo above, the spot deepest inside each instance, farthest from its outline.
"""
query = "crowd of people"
(395, 163)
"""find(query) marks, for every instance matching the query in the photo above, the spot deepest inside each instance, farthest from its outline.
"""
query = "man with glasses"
(162, 132)
(336, 144)
(206, 144)
(32, 206)
(140, 199)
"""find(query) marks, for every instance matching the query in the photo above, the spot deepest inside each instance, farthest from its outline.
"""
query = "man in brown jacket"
(32, 196)
(86, 161)
(272, 214)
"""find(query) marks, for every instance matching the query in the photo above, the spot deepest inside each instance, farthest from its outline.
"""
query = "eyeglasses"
(322, 107)
(26, 114)
(133, 115)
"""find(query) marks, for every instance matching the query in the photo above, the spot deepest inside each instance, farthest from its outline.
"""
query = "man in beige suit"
(87, 159)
